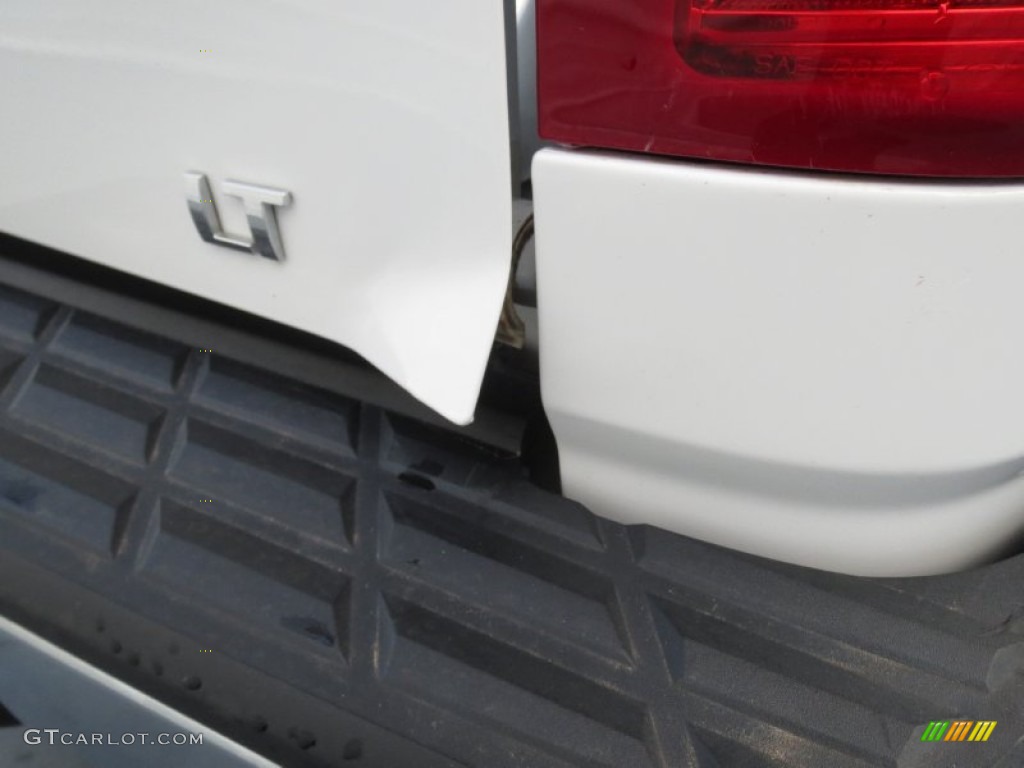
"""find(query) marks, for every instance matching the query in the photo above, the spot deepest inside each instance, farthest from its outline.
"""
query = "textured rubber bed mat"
(332, 585)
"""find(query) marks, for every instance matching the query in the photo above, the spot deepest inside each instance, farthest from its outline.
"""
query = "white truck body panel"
(386, 120)
(820, 369)
(824, 370)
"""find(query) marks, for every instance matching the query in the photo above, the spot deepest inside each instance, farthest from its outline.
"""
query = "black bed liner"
(367, 590)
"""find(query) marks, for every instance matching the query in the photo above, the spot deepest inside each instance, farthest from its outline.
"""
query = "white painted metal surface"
(387, 120)
(822, 370)
(46, 687)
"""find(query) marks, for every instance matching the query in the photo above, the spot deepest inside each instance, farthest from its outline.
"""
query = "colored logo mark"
(958, 730)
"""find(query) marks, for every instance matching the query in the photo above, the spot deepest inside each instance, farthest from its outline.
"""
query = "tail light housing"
(909, 87)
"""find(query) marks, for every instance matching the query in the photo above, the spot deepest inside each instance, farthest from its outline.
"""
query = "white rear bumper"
(823, 370)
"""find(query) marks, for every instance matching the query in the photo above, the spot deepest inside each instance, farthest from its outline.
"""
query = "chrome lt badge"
(260, 210)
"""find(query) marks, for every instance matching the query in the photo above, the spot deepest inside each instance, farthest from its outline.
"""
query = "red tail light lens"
(914, 87)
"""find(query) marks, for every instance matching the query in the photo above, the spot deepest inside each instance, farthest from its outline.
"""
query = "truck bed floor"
(333, 584)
